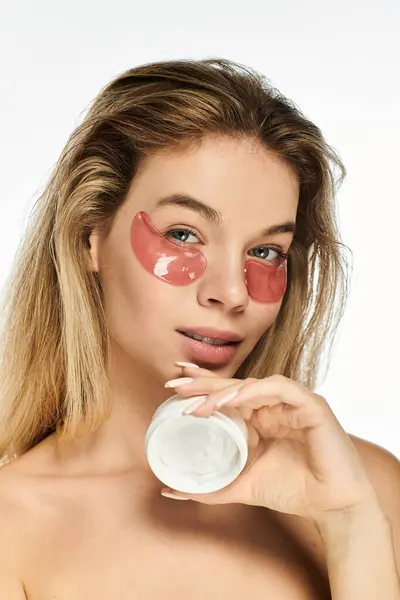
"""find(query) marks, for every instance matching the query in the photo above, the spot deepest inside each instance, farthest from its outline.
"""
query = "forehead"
(239, 178)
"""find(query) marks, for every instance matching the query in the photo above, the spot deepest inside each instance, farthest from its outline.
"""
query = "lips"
(216, 347)
(208, 340)
(206, 353)
(215, 334)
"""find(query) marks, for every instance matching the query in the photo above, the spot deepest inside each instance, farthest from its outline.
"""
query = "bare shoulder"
(22, 483)
(12, 528)
(383, 468)
(21, 501)
(16, 487)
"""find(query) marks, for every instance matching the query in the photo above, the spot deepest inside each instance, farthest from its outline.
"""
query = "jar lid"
(196, 454)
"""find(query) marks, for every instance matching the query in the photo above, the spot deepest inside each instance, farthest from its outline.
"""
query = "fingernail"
(172, 383)
(174, 496)
(186, 364)
(195, 405)
(227, 398)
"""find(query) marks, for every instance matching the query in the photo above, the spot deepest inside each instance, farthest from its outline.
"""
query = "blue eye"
(182, 233)
(265, 249)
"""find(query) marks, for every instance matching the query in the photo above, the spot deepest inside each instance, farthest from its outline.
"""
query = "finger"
(270, 426)
(221, 396)
(253, 444)
(226, 495)
(237, 492)
(192, 370)
(281, 394)
(245, 412)
(200, 385)
(287, 400)
(282, 388)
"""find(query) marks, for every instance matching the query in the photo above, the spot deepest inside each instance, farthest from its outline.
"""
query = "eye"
(181, 235)
(265, 253)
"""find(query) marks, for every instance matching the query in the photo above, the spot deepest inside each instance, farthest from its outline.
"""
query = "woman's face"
(239, 191)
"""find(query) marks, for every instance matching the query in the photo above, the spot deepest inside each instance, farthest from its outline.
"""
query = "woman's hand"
(303, 462)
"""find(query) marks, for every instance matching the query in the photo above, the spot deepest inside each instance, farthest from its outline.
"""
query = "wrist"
(345, 521)
(360, 554)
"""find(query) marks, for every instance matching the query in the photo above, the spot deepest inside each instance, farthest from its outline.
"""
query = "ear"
(94, 244)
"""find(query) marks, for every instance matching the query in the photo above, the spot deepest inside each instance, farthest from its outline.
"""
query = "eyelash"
(279, 251)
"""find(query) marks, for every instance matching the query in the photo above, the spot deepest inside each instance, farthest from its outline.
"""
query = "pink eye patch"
(180, 265)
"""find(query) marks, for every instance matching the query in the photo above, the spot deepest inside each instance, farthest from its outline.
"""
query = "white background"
(338, 61)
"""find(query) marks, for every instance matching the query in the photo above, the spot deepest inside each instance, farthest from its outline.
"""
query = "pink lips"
(201, 352)
(216, 334)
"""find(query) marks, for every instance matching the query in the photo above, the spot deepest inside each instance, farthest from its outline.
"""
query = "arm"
(361, 549)
(360, 555)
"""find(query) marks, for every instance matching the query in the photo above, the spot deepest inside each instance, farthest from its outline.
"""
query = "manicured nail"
(186, 364)
(194, 406)
(174, 496)
(227, 398)
(172, 383)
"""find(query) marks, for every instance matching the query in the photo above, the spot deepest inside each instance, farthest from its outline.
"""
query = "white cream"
(195, 454)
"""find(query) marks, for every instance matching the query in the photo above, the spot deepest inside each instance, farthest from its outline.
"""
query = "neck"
(136, 391)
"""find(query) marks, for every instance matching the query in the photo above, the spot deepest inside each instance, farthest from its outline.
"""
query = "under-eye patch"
(180, 265)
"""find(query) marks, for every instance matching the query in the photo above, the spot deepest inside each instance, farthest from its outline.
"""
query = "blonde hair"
(54, 335)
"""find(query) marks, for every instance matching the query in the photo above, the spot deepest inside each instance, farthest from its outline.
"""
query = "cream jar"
(193, 454)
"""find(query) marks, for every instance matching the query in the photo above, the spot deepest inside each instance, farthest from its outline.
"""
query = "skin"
(144, 313)
(178, 262)
(56, 500)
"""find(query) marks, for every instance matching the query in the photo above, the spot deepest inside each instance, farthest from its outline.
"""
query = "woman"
(205, 163)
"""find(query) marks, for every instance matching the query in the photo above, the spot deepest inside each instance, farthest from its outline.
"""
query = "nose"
(224, 285)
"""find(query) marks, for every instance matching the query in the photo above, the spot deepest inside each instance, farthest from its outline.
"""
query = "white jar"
(196, 454)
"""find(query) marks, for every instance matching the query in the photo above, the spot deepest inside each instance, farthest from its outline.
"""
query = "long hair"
(54, 336)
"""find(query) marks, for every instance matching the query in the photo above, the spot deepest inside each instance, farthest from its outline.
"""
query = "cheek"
(262, 317)
(128, 297)
(133, 295)
(138, 306)
(136, 300)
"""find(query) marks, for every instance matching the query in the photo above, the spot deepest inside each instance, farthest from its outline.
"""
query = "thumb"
(219, 497)
(235, 492)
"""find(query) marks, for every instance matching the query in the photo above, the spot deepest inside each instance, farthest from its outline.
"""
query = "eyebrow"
(214, 216)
